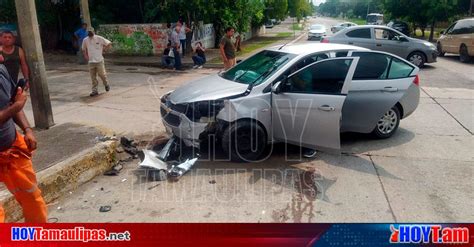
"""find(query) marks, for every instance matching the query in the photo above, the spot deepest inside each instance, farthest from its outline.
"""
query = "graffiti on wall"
(147, 39)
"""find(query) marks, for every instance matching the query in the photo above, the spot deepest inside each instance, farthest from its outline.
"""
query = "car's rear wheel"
(388, 124)
(440, 50)
(244, 141)
(464, 54)
(417, 58)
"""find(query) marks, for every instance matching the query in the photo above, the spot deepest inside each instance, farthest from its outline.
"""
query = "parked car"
(269, 24)
(382, 38)
(316, 31)
(342, 26)
(400, 26)
(458, 39)
(295, 94)
(374, 19)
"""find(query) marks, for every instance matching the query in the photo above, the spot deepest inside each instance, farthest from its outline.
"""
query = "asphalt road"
(422, 174)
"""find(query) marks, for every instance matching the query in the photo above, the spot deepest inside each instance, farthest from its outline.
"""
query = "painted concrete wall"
(147, 39)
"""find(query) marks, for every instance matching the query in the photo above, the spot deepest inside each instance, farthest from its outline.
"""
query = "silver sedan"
(296, 94)
(382, 38)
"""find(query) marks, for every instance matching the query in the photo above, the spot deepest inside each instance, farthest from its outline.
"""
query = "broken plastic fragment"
(104, 209)
(182, 168)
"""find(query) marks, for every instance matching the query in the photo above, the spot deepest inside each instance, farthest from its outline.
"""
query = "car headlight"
(429, 45)
(204, 110)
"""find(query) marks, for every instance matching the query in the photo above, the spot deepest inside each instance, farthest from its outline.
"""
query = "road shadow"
(455, 58)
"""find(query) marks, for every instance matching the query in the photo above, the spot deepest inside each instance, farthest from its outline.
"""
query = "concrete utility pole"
(85, 15)
(30, 39)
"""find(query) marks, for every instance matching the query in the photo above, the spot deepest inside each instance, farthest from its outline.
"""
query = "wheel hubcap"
(416, 59)
(388, 122)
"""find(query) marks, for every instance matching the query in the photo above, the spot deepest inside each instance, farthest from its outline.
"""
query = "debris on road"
(115, 170)
(123, 180)
(212, 182)
(156, 165)
(104, 209)
(177, 171)
(105, 138)
(129, 146)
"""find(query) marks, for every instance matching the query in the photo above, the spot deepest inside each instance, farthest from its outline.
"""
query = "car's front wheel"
(244, 141)
(417, 58)
(464, 54)
(388, 124)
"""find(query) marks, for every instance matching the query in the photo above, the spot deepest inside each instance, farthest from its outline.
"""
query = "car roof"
(309, 48)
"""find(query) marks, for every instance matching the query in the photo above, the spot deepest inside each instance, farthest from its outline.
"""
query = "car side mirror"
(276, 88)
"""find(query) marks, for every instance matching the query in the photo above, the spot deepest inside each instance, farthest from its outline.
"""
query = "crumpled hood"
(208, 88)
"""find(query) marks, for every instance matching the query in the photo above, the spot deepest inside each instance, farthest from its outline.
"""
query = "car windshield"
(257, 68)
(317, 27)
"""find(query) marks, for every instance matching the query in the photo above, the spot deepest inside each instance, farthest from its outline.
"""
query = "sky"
(317, 2)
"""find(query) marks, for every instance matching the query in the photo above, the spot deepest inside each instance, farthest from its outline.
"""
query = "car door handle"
(351, 43)
(378, 44)
(390, 89)
(326, 108)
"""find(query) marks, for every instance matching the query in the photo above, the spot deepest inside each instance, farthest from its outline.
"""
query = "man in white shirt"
(93, 47)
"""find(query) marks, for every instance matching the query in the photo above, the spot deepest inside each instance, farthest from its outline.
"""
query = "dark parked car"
(400, 26)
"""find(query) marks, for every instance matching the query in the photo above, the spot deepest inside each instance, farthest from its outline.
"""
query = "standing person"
(182, 34)
(227, 48)
(13, 57)
(175, 44)
(16, 168)
(93, 47)
(200, 57)
(79, 36)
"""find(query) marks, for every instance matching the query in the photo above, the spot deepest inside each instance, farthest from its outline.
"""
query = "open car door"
(307, 106)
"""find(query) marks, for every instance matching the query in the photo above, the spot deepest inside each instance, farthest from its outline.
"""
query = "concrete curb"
(65, 176)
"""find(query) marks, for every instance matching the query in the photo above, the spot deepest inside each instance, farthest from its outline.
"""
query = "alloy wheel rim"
(416, 59)
(388, 122)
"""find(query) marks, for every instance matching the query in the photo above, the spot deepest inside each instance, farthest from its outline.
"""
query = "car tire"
(237, 141)
(387, 124)
(463, 54)
(440, 50)
(417, 58)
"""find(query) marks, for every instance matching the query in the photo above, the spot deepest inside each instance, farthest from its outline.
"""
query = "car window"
(450, 28)
(363, 33)
(384, 34)
(257, 68)
(326, 77)
(399, 69)
(371, 66)
(464, 27)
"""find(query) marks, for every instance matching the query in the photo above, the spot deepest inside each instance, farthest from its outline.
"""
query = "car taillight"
(325, 40)
(416, 81)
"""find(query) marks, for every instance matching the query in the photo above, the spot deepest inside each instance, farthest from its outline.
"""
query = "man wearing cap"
(93, 48)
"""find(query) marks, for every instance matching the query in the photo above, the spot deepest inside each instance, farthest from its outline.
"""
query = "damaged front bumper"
(186, 122)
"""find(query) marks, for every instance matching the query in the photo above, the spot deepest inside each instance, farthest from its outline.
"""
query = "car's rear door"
(307, 111)
(380, 81)
(361, 37)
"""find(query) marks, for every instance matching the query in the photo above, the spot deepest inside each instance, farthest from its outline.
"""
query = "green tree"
(276, 9)
(299, 8)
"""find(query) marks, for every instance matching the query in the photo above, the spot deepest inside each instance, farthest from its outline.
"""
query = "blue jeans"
(167, 61)
(198, 60)
(177, 59)
(183, 46)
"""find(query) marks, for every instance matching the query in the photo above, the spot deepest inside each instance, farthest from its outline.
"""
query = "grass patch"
(284, 35)
(296, 27)
(357, 21)
(427, 34)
